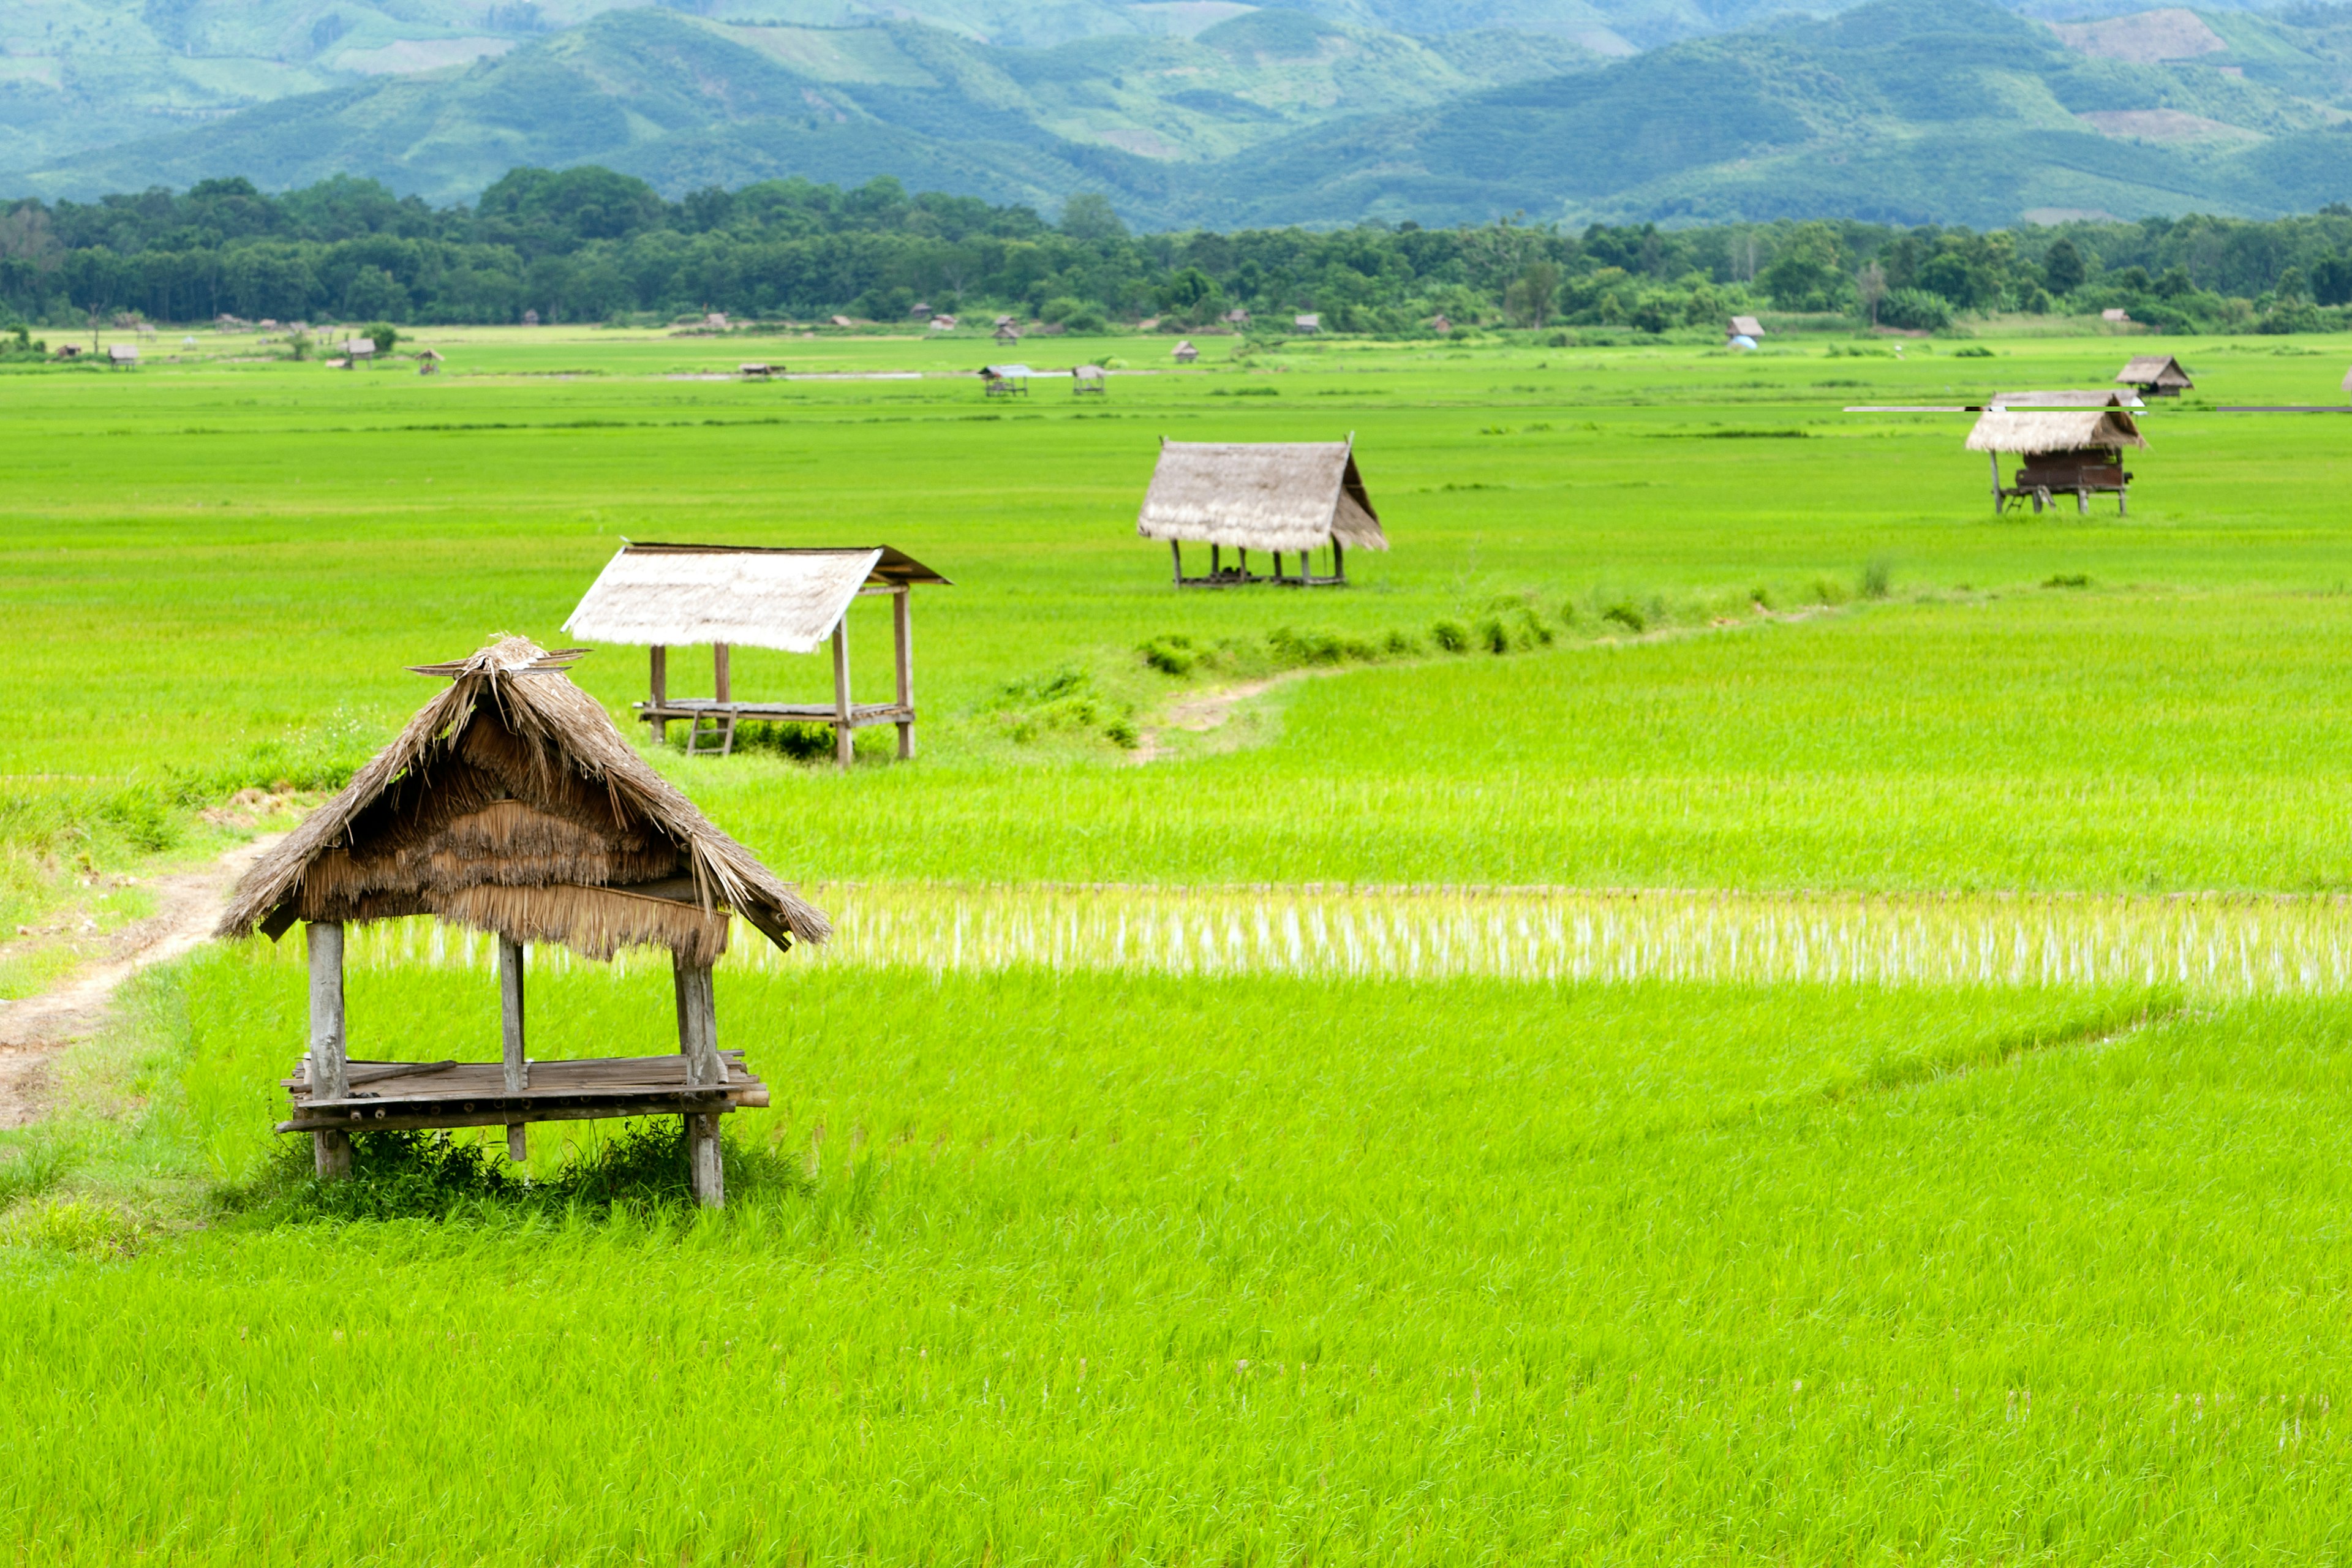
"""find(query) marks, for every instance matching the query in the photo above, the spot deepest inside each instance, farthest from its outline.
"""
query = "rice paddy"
(1824, 1045)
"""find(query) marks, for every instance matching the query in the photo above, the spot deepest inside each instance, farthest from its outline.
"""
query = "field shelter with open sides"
(2155, 376)
(510, 804)
(675, 596)
(1280, 498)
(2076, 450)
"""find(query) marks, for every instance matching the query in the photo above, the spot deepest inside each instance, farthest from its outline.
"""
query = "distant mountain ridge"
(1904, 111)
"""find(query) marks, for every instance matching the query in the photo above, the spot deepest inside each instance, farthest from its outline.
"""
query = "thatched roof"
(510, 804)
(1260, 496)
(2153, 370)
(1747, 327)
(2070, 430)
(791, 600)
(2096, 397)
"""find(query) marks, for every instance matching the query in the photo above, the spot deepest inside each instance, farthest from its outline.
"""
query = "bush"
(1972, 351)
(1451, 636)
(1877, 580)
(382, 335)
(1625, 616)
(1915, 310)
(1173, 654)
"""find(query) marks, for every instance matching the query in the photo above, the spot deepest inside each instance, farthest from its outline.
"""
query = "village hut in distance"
(2155, 376)
(511, 805)
(428, 362)
(666, 595)
(2077, 449)
(1276, 497)
(1184, 352)
(1740, 327)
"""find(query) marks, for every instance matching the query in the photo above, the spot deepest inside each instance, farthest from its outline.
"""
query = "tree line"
(590, 245)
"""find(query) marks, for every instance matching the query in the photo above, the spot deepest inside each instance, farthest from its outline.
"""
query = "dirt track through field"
(33, 1029)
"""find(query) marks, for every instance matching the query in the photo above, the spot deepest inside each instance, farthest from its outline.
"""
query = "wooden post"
(658, 689)
(518, 1065)
(331, 1152)
(1994, 457)
(1244, 555)
(1338, 560)
(698, 1041)
(1214, 566)
(902, 629)
(720, 687)
(842, 733)
(1176, 551)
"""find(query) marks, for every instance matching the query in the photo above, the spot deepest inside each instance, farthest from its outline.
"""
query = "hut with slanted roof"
(1005, 380)
(1276, 497)
(123, 356)
(1184, 352)
(666, 596)
(428, 362)
(510, 804)
(2077, 449)
(1740, 327)
(1088, 380)
(2155, 375)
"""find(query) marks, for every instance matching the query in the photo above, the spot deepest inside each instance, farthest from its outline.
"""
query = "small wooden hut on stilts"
(666, 596)
(1271, 496)
(2079, 451)
(510, 804)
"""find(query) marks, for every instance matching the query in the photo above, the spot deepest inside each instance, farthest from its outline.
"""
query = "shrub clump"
(1063, 701)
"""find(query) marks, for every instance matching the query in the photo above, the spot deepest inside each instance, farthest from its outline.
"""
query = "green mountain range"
(1214, 113)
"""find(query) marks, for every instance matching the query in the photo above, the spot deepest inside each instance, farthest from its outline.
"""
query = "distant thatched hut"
(2155, 376)
(1740, 327)
(1088, 380)
(1005, 380)
(1270, 496)
(510, 804)
(2071, 449)
(666, 595)
(1308, 322)
(1007, 333)
(428, 362)
(123, 356)
(1184, 352)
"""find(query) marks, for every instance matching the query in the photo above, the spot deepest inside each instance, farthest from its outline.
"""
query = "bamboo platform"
(386, 1096)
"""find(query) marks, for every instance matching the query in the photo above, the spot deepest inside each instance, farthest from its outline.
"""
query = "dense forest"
(588, 245)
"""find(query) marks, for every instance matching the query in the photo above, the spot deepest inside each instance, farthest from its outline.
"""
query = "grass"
(1724, 1004)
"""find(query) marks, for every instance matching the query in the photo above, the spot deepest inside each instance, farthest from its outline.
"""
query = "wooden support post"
(1994, 457)
(842, 734)
(1214, 553)
(720, 687)
(510, 1016)
(698, 1041)
(1244, 555)
(1176, 553)
(1338, 560)
(658, 689)
(331, 1152)
(1277, 565)
(902, 630)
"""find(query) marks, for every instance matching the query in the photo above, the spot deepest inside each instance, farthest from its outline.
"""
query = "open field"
(1826, 1047)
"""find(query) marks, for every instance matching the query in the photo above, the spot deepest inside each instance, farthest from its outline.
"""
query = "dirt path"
(35, 1028)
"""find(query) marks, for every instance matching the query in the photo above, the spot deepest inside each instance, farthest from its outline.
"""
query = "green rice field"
(1723, 1002)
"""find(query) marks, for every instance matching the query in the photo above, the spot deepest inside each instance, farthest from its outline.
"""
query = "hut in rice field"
(1279, 498)
(2095, 397)
(2076, 450)
(664, 595)
(511, 805)
(2155, 376)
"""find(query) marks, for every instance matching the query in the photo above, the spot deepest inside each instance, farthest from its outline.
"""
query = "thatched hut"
(2155, 376)
(1310, 321)
(1005, 380)
(123, 356)
(666, 595)
(1740, 327)
(2064, 449)
(1088, 380)
(428, 362)
(510, 804)
(1272, 496)
(1184, 352)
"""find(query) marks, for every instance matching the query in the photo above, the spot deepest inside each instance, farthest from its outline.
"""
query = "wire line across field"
(2223, 943)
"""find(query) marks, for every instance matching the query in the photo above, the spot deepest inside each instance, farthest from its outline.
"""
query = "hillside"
(1903, 110)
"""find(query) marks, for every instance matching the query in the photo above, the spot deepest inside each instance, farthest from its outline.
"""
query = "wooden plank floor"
(474, 1094)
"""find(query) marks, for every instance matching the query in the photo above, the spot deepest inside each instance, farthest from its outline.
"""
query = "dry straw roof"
(1747, 327)
(2153, 370)
(2070, 430)
(790, 600)
(1260, 496)
(510, 804)
(2097, 397)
